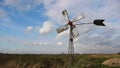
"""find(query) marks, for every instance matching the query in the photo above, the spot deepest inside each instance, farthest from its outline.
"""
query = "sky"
(29, 26)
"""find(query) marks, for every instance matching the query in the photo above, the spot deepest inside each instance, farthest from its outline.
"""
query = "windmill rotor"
(70, 23)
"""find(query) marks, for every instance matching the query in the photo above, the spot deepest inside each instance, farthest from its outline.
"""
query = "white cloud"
(93, 48)
(91, 8)
(18, 4)
(40, 43)
(45, 44)
(26, 42)
(12, 2)
(37, 43)
(59, 43)
(102, 41)
(112, 25)
(46, 28)
(34, 3)
(22, 5)
(29, 29)
(3, 13)
(93, 39)
(34, 43)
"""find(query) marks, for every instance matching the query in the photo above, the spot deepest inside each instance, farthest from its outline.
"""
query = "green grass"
(55, 61)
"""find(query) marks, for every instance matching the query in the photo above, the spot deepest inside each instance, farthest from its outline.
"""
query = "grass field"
(55, 61)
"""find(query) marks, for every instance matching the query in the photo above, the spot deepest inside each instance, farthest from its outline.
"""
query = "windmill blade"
(75, 32)
(62, 28)
(81, 16)
(65, 14)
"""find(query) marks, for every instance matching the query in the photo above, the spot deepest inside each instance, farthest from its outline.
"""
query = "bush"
(118, 53)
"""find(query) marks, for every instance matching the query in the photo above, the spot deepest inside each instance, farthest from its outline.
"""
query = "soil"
(112, 62)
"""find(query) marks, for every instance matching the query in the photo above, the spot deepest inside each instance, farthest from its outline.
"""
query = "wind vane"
(73, 30)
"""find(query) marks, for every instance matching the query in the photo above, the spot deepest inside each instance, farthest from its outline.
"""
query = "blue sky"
(29, 26)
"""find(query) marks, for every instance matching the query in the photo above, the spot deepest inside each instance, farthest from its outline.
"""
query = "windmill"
(73, 30)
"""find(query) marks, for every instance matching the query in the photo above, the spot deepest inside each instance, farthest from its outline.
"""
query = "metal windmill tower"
(73, 30)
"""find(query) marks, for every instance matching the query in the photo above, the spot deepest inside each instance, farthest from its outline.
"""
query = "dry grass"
(112, 62)
(54, 61)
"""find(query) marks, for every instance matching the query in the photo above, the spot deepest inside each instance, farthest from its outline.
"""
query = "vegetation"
(55, 61)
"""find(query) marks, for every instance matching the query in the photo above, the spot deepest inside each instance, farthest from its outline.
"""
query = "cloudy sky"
(29, 26)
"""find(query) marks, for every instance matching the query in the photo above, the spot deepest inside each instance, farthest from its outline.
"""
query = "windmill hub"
(70, 23)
